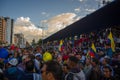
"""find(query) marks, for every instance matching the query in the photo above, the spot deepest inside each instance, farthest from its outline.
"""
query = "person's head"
(108, 45)
(29, 66)
(38, 56)
(94, 61)
(107, 71)
(10, 55)
(72, 62)
(25, 58)
(12, 62)
(105, 61)
(81, 65)
(79, 55)
(65, 68)
(59, 58)
(16, 54)
(51, 70)
(87, 61)
(25, 52)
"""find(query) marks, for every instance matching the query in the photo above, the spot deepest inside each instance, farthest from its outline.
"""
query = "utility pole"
(42, 27)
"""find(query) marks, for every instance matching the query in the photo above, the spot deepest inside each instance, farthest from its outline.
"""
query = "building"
(2, 30)
(19, 40)
(6, 30)
(9, 29)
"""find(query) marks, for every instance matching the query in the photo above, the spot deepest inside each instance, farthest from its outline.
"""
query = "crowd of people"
(69, 61)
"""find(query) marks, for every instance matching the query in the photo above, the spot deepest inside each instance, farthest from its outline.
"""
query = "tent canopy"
(105, 17)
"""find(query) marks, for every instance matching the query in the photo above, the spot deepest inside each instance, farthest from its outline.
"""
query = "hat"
(107, 57)
(38, 54)
(13, 62)
(25, 56)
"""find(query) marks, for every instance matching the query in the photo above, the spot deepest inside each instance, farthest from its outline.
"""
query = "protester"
(21, 65)
(106, 62)
(95, 73)
(38, 62)
(12, 72)
(109, 51)
(65, 69)
(30, 72)
(87, 68)
(73, 57)
(108, 74)
(74, 72)
(59, 59)
(51, 70)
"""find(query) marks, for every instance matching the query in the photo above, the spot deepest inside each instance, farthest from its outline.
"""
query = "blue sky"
(39, 10)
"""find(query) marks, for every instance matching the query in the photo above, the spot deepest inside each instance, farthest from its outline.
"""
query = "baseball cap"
(38, 54)
(13, 62)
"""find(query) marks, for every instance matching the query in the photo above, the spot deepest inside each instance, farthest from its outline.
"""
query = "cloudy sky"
(35, 18)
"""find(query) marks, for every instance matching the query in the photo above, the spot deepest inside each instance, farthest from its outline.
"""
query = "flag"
(110, 37)
(61, 42)
(92, 51)
(88, 55)
(93, 47)
(60, 45)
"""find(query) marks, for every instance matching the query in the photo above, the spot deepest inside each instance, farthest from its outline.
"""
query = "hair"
(55, 68)
(95, 60)
(29, 65)
(66, 66)
(108, 44)
(108, 67)
(107, 60)
(79, 53)
(73, 59)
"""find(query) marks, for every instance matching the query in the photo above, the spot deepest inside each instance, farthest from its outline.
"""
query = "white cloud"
(43, 13)
(97, 0)
(77, 10)
(25, 26)
(90, 10)
(59, 22)
(81, 0)
(54, 24)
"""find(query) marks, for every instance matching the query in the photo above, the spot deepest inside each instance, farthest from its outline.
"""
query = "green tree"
(39, 42)
(33, 42)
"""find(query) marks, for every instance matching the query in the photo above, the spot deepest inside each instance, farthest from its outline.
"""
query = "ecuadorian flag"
(61, 45)
(110, 37)
(92, 51)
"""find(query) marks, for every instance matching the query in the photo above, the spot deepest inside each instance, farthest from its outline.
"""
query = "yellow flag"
(112, 41)
(88, 54)
(61, 42)
(93, 47)
(60, 45)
